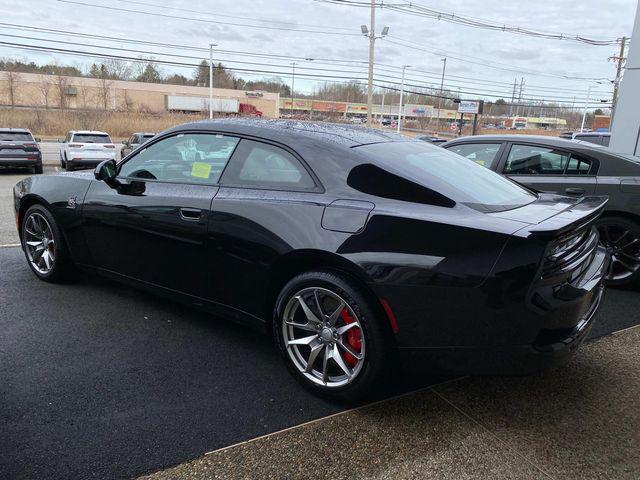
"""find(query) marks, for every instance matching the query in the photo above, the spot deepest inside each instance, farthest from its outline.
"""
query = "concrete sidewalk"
(579, 421)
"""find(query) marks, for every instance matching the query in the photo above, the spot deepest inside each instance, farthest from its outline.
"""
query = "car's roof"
(344, 134)
(538, 139)
(143, 133)
(89, 132)
(15, 130)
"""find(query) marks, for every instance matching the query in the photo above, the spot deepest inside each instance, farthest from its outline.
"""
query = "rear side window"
(91, 138)
(605, 140)
(482, 153)
(535, 160)
(16, 137)
(589, 138)
(579, 165)
(266, 166)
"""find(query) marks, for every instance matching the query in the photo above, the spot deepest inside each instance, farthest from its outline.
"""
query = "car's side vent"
(571, 253)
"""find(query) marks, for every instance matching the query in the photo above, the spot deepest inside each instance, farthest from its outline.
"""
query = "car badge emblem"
(71, 203)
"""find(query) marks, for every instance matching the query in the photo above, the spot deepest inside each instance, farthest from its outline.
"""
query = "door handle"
(190, 214)
(574, 191)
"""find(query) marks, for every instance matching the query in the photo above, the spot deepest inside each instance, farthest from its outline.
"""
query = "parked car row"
(78, 150)
(352, 247)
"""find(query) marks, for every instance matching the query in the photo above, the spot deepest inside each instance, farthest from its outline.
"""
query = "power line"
(379, 66)
(416, 9)
(243, 70)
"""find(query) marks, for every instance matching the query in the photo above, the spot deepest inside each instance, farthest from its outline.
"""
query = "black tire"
(63, 163)
(63, 269)
(616, 232)
(37, 169)
(380, 354)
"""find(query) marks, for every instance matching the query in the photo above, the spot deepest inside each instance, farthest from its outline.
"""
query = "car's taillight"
(31, 145)
(75, 145)
(109, 146)
(32, 158)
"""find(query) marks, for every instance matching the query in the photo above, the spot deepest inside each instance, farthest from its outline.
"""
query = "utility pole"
(372, 43)
(211, 45)
(520, 96)
(404, 67)
(619, 60)
(370, 32)
(382, 107)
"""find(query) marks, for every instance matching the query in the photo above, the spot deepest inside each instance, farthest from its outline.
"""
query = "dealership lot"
(102, 380)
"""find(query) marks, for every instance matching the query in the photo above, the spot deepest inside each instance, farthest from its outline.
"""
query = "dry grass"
(56, 123)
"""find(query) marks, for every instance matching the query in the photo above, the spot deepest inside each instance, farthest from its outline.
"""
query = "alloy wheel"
(323, 337)
(39, 243)
(624, 246)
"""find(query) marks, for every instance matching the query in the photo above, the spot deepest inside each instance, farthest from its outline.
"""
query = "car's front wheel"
(331, 335)
(621, 236)
(44, 246)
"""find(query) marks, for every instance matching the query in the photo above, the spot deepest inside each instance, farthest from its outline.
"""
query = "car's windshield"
(91, 138)
(15, 137)
(450, 175)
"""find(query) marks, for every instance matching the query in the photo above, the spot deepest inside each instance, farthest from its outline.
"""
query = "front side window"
(266, 166)
(535, 160)
(482, 153)
(444, 178)
(183, 158)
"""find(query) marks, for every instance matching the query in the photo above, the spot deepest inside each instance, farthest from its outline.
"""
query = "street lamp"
(293, 81)
(404, 67)
(211, 45)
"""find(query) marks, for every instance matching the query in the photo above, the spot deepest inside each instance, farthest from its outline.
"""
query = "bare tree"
(128, 102)
(13, 78)
(45, 89)
(104, 92)
(62, 84)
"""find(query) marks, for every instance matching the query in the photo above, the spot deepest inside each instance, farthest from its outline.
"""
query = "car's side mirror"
(106, 172)
(38, 139)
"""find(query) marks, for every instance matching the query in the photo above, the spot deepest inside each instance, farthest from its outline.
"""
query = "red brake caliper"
(354, 337)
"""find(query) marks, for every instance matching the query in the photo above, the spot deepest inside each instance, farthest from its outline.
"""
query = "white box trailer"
(184, 103)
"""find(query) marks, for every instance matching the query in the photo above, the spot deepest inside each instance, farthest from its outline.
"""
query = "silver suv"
(85, 149)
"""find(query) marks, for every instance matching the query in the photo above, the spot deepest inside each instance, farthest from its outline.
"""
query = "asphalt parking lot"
(98, 380)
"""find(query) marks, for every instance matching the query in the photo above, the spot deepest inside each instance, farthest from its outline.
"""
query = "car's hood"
(565, 211)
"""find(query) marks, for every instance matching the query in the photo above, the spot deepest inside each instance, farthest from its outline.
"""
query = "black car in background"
(573, 168)
(351, 246)
(18, 149)
(431, 139)
(134, 141)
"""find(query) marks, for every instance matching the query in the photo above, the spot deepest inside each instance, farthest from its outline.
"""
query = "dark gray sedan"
(575, 168)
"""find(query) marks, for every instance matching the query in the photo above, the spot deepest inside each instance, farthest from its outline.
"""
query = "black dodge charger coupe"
(355, 248)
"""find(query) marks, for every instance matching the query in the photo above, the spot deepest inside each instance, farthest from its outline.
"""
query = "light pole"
(371, 33)
(211, 45)
(586, 105)
(404, 67)
(293, 82)
(444, 66)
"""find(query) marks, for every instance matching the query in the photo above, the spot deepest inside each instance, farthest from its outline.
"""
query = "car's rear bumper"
(78, 162)
(30, 161)
(562, 328)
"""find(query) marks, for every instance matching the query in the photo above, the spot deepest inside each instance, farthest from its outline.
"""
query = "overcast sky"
(469, 51)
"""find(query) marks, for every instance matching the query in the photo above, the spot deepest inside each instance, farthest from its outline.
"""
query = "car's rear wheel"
(331, 335)
(44, 246)
(621, 236)
(37, 169)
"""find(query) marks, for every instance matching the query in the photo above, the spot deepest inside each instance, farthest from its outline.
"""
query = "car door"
(153, 227)
(266, 188)
(485, 153)
(548, 169)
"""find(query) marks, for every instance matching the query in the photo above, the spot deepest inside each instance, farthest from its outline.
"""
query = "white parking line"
(10, 245)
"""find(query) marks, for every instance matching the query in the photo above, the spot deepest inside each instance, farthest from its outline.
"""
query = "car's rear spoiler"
(574, 217)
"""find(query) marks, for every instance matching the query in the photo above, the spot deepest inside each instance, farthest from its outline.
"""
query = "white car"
(85, 149)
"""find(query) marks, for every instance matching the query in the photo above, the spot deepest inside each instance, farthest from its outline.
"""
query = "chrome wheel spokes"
(39, 243)
(624, 247)
(333, 353)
